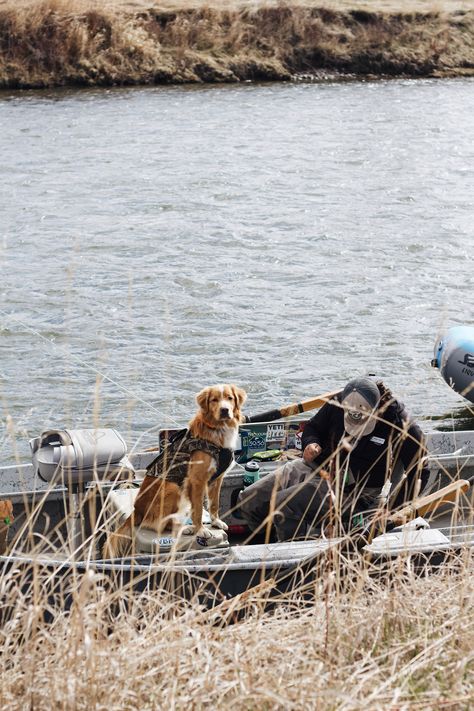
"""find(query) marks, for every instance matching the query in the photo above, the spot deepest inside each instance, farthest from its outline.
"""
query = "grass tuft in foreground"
(353, 642)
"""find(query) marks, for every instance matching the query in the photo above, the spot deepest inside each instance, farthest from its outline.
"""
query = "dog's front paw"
(203, 532)
(200, 532)
(218, 523)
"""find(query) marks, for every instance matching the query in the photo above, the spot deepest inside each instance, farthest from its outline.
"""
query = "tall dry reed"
(56, 43)
(352, 636)
(399, 642)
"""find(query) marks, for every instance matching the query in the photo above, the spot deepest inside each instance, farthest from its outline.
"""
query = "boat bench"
(119, 506)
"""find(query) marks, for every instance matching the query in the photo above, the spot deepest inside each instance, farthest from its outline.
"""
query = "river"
(285, 237)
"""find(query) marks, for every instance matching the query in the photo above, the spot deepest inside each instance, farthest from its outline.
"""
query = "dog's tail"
(118, 542)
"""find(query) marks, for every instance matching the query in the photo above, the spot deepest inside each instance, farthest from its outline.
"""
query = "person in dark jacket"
(360, 449)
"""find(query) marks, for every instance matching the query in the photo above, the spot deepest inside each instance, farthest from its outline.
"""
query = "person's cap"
(359, 399)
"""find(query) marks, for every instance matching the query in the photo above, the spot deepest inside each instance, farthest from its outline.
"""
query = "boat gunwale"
(178, 567)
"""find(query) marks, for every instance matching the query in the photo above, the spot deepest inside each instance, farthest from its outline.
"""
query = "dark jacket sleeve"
(317, 430)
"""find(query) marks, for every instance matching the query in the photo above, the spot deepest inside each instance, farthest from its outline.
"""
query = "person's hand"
(311, 451)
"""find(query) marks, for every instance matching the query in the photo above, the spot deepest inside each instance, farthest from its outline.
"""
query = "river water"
(285, 237)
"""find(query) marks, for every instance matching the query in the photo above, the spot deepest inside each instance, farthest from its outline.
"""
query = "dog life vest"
(172, 462)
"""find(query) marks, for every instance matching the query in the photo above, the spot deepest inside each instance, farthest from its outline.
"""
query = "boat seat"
(76, 457)
(120, 502)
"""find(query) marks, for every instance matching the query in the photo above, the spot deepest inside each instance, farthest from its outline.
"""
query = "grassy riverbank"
(61, 43)
(371, 645)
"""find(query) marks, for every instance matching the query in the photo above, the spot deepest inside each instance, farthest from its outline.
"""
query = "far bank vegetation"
(58, 43)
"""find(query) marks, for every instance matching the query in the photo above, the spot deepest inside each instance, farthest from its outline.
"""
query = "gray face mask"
(359, 417)
(360, 399)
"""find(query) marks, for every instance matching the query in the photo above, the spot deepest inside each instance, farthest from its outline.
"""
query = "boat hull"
(43, 515)
(280, 568)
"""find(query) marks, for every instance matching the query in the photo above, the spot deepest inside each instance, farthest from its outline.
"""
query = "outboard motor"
(454, 356)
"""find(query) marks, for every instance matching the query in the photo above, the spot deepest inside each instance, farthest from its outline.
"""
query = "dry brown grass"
(54, 43)
(370, 644)
(132, 6)
(351, 638)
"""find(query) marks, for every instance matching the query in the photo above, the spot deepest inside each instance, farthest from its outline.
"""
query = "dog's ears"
(202, 398)
(239, 394)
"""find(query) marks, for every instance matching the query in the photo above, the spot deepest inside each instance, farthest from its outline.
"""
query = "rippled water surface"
(285, 237)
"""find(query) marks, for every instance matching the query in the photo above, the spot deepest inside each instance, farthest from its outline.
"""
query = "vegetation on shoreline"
(61, 43)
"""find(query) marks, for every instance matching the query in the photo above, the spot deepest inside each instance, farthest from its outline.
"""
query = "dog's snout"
(225, 412)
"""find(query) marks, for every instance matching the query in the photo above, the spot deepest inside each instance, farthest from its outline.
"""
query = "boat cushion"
(120, 505)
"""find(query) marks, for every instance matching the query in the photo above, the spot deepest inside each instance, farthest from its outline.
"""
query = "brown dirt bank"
(59, 43)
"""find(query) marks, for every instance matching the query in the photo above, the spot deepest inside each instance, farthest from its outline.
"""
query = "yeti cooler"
(78, 456)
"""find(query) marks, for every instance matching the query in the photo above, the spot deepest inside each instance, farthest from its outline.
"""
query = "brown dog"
(6, 518)
(187, 470)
